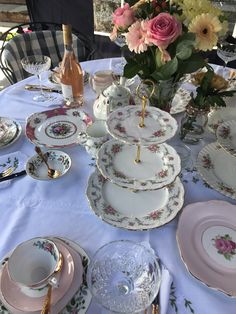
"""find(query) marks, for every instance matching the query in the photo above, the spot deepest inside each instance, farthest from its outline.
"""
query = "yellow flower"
(205, 26)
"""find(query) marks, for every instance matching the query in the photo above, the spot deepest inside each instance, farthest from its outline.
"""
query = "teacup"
(100, 80)
(96, 134)
(34, 263)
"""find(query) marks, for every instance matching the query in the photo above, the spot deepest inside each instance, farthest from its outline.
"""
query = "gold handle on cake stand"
(144, 98)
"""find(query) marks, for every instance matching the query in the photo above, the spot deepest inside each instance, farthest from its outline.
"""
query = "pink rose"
(224, 246)
(123, 17)
(163, 30)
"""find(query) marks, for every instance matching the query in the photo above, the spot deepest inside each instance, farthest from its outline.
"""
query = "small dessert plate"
(218, 169)
(159, 165)
(57, 160)
(226, 136)
(124, 125)
(10, 131)
(220, 115)
(134, 210)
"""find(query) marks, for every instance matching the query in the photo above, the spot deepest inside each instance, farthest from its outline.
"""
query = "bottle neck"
(68, 47)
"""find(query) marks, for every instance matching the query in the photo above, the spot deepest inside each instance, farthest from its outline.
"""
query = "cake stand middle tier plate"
(124, 125)
(159, 165)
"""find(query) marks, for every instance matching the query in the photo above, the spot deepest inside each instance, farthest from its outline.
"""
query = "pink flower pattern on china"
(225, 246)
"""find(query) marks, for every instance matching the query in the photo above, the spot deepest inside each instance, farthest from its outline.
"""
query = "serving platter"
(218, 169)
(159, 166)
(134, 210)
(79, 299)
(226, 136)
(206, 237)
(57, 128)
(10, 131)
(159, 126)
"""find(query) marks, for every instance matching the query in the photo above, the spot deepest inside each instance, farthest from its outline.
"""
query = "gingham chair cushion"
(48, 42)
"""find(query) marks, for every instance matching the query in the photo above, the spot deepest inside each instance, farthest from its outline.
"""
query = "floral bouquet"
(166, 39)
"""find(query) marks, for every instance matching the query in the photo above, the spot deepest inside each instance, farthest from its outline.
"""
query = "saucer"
(76, 299)
(10, 131)
(17, 301)
(58, 160)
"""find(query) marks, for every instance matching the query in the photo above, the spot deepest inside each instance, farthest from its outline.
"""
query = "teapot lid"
(116, 90)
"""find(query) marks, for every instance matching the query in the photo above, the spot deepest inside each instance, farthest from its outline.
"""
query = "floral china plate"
(134, 210)
(75, 300)
(226, 136)
(180, 101)
(57, 128)
(10, 131)
(220, 115)
(159, 166)
(218, 169)
(57, 160)
(159, 126)
(206, 237)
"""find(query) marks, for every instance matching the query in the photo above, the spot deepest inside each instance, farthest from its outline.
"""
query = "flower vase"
(163, 94)
(193, 124)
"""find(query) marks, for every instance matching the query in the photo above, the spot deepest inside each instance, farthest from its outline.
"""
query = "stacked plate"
(72, 295)
(217, 161)
(10, 131)
(137, 195)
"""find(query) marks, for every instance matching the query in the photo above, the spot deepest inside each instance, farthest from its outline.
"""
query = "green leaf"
(192, 64)
(166, 71)
(158, 58)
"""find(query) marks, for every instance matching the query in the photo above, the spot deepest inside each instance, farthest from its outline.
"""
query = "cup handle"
(54, 282)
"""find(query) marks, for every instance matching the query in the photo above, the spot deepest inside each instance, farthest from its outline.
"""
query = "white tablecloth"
(30, 208)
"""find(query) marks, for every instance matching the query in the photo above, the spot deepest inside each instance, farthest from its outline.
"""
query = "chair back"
(43, 42)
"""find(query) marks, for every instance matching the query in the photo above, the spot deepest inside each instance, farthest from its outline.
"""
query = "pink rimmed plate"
(71, 278)
(206, 237)
(31, 302)
(57, 128)
(159, 126)
(134, 210)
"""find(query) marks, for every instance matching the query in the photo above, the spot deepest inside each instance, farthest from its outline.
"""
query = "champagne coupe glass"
(124, 276)
(36, 64)
(226, 51)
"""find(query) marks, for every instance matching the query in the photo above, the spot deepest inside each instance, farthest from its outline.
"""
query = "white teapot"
(114, 96)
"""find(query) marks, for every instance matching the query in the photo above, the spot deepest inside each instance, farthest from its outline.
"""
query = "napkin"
(16, 160)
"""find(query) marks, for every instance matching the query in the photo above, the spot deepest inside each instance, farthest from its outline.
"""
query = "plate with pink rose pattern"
(218, 169)
(159, 165)
(134, 210)
(159, 126)
(57, 128)
(206, 237)
(226, 136)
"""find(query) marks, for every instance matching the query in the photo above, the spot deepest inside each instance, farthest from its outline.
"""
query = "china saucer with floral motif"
(218, 169)
(226, 136)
